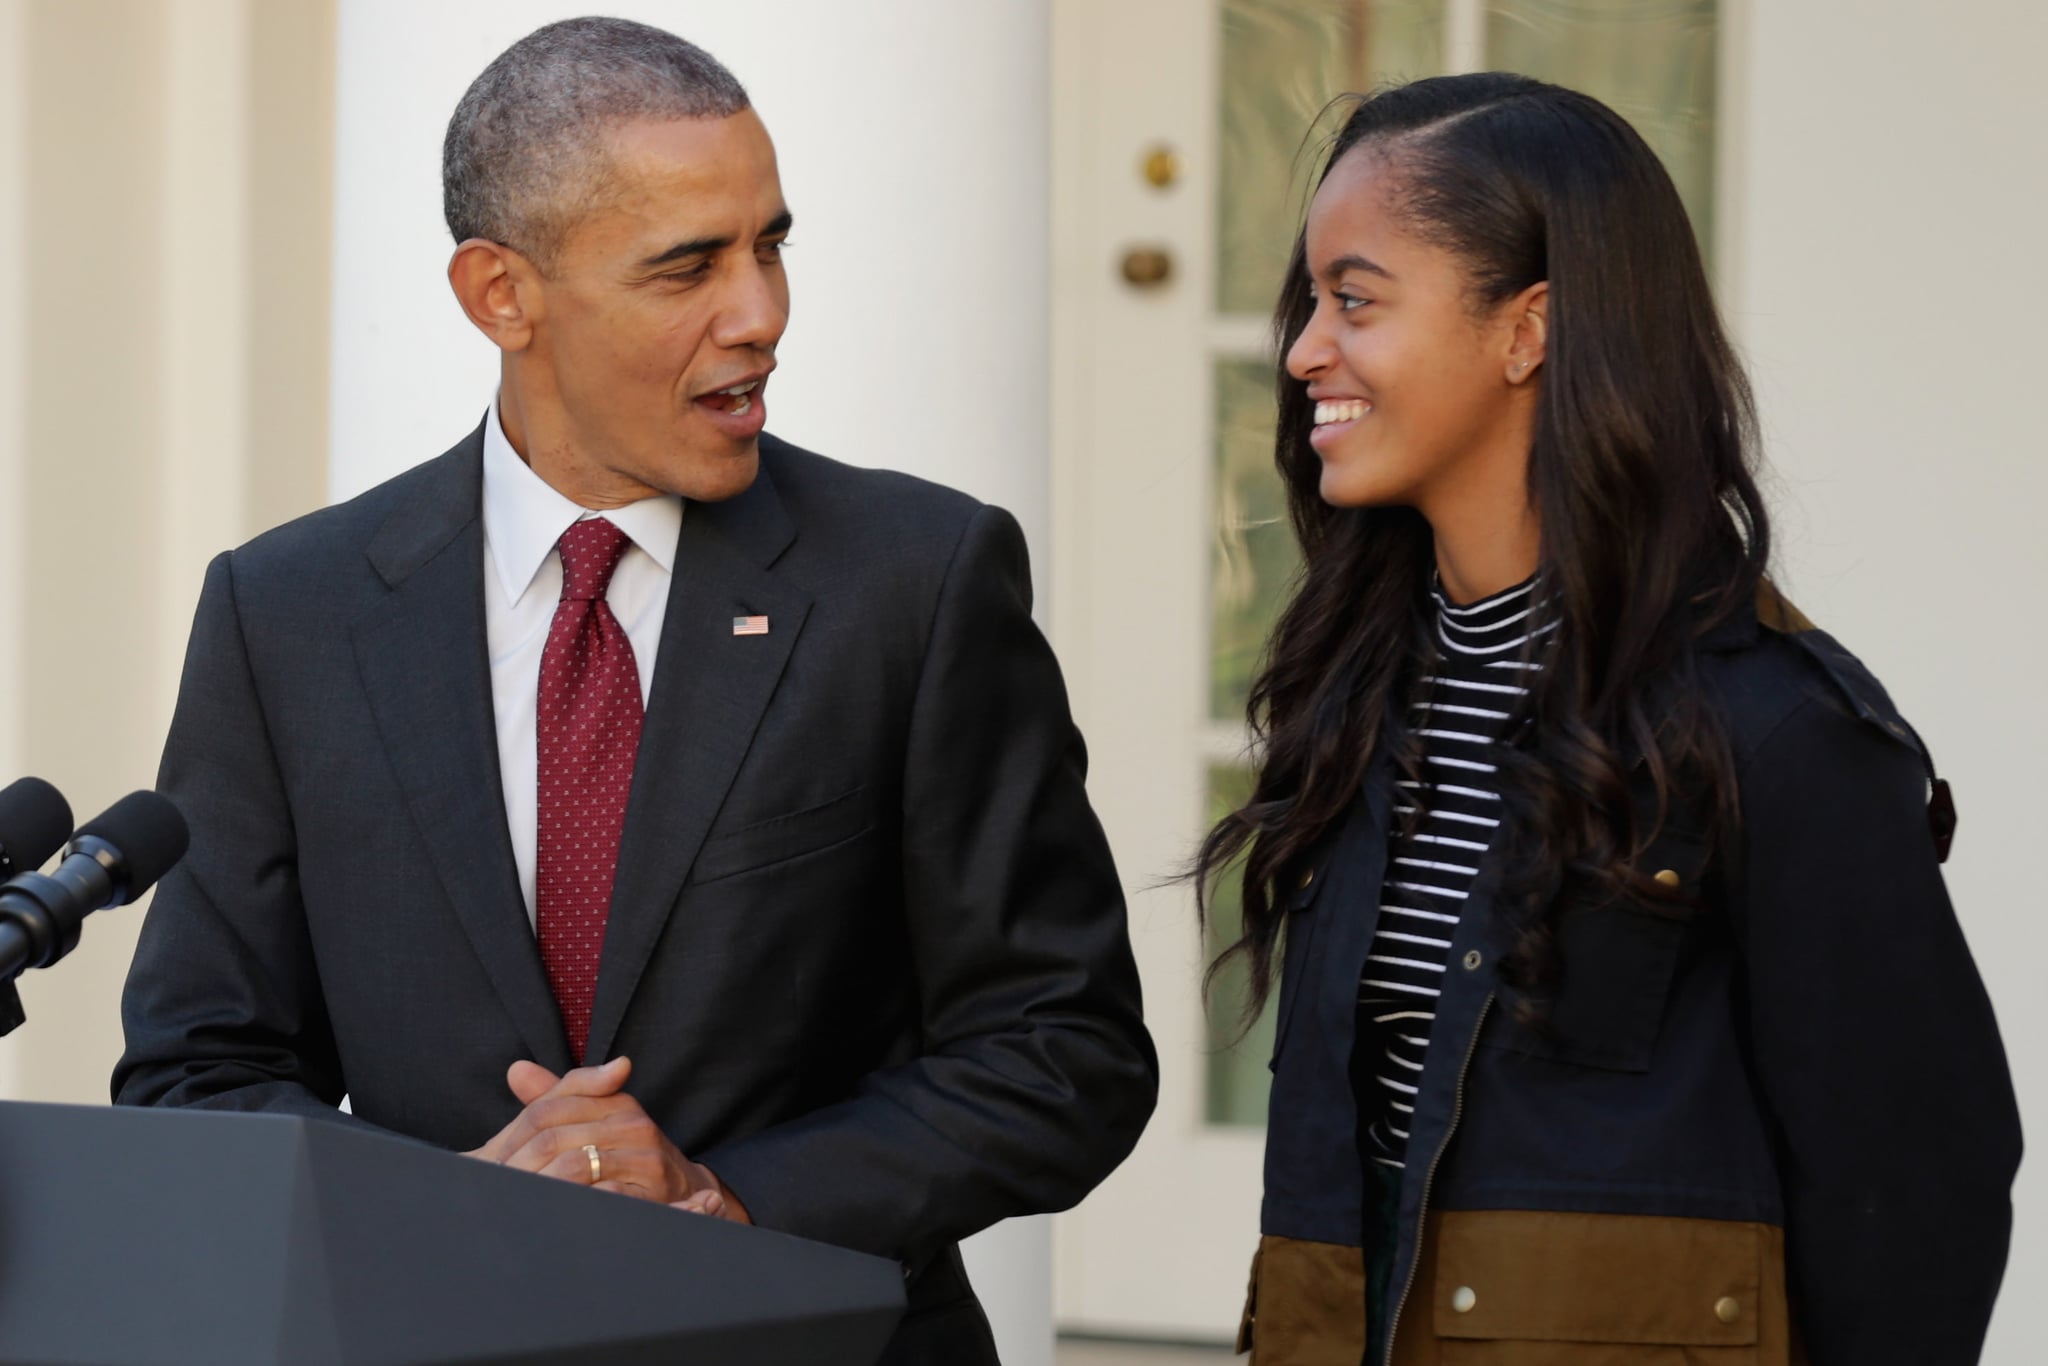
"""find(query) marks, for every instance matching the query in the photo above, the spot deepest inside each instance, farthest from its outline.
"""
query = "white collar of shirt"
(524, 516)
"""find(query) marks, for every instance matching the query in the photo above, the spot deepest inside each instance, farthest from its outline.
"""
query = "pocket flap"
(1250, 1314)
(783, 837)
(1544, 1276)
(1307, 1304)
(1298, 898)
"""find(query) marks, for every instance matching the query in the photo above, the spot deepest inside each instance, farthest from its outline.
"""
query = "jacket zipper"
(1429, 1179)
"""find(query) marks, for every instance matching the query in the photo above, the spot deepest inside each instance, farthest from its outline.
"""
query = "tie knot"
(590, 552)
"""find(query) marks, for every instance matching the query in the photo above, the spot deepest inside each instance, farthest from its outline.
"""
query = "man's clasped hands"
(565, 1118)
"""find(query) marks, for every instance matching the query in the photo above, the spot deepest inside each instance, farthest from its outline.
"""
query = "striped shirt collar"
(1501, 624)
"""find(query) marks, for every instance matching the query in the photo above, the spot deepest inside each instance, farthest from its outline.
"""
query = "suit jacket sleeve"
(1036, 1074)
(223, 1008)
(1876, 1050)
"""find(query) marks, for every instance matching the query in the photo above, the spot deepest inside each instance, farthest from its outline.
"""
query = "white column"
(913, 137)
(205, 323)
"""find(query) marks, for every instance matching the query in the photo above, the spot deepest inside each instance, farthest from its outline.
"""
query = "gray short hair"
(524, 154)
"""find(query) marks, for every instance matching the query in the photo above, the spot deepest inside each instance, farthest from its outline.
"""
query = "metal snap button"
(1473, 960)
(1668, 878)
(1463, 1299)
(1727, 1309)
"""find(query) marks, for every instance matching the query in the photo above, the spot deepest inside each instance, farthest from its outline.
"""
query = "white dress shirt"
(523, 518)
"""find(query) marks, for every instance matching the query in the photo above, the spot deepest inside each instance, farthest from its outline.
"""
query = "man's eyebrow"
(711, 246)
(1345, 264)
(683, 251)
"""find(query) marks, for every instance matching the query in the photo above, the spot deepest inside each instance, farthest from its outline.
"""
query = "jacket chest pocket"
(1614, 968)
(1541, 1288)
(780, 839)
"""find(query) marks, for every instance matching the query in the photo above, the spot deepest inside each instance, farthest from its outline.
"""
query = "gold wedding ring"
(596, 1163)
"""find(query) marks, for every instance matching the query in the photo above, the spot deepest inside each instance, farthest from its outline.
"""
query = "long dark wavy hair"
(1641, 473)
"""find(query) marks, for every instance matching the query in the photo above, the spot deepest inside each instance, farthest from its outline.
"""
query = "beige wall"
(164, 174)
(1888, 293)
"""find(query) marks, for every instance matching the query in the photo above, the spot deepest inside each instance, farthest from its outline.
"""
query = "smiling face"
(1421, 399)
(641, 358)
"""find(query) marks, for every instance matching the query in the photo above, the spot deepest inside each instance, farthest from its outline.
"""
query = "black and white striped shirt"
(1443, 825)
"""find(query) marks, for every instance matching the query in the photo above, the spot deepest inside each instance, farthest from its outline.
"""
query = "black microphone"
(109, 862)
(34, 819)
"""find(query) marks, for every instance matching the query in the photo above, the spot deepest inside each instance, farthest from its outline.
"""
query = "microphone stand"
(14, 956)
(17, 952)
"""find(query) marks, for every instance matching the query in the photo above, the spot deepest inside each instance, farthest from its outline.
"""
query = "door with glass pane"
(1187, 135)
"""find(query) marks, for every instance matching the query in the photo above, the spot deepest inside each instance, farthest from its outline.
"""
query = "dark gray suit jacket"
(866, 948)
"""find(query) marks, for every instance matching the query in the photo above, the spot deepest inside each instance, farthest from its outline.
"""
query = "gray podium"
(133, 1237)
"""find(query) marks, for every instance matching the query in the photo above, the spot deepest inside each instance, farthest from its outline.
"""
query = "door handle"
(1147, 267)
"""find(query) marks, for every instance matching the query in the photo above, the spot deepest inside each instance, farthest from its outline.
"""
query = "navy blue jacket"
(1809, 1048)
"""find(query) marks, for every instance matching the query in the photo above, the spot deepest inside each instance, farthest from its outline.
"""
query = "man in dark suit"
(629, 796)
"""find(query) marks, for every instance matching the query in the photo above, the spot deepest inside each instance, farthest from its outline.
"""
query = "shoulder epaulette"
(1865, 696)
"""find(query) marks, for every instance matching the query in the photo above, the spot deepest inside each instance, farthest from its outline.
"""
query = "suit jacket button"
(1727, 1309)
(1463, 1299)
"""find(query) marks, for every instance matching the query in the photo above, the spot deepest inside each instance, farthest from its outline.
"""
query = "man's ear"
(1529, 314)
(500, 291)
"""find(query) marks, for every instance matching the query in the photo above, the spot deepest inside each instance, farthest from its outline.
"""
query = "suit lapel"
(426, 671)
(711, 689)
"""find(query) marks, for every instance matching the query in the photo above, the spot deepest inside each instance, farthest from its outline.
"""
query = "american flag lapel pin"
(750, 626)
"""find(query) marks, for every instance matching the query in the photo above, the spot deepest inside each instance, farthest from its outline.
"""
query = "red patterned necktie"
(589, 730)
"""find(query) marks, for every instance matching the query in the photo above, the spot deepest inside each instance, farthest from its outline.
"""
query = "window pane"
(1238, 1079)
(1283, 61)
(1653, 61)
(1253, 558)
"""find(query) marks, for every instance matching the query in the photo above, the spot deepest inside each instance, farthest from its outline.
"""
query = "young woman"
(1622, 1014)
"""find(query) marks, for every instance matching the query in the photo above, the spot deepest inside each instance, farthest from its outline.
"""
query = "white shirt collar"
(524, 516)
